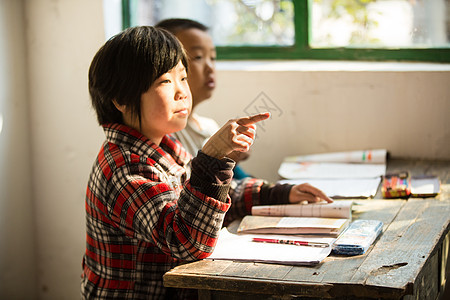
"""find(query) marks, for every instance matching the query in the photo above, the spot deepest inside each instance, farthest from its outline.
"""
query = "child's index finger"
(253, 119)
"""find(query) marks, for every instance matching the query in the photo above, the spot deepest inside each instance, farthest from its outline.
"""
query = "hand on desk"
(306, 192)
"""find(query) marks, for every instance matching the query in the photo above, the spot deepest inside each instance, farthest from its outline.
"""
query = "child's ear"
(119, 107)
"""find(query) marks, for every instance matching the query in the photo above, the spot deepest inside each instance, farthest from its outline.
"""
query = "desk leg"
(204, 295)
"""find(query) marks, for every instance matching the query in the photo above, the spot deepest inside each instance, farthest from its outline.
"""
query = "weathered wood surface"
(407, 259)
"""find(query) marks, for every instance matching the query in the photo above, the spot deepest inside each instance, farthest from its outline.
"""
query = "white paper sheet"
(296, 170)
(343, 188)
(241, 248)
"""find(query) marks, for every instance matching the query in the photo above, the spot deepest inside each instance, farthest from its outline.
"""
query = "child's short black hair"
(175, 25)
(126, 66)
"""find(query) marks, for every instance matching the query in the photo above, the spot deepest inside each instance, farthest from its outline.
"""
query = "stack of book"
(303, 233)
(315, 218)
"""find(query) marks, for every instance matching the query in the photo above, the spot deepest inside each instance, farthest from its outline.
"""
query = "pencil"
(291, 242)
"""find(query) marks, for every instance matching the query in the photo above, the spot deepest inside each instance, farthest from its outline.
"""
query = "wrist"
(211, 169)
(213, 151)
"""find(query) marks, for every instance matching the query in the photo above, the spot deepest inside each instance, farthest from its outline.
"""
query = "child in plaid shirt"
(149, 205)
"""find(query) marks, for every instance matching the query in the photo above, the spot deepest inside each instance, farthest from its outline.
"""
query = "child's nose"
(182, 91)
(210, 64)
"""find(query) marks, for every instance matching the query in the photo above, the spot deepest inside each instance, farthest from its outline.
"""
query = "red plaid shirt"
(148, 210)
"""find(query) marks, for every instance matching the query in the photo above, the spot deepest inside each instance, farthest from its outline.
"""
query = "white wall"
(403, 111)
(399, 107)
(17, 243)
(62, 38)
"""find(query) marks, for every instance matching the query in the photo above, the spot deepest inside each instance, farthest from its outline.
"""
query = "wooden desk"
(408, 261)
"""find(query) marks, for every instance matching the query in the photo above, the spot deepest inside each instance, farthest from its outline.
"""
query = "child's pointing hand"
(235, 135)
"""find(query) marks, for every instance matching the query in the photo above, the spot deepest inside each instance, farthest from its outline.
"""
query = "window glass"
(400, 30)
(231, 22)
(380, 23)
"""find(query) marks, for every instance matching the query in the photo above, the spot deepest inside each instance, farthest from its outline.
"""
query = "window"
(414, 30)
(380, 24)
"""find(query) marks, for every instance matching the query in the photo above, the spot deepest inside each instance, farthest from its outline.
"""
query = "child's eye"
(165, 81)
(184, 78)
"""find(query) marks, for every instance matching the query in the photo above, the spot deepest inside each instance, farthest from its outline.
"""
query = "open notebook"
(353, 174)
(231, 246)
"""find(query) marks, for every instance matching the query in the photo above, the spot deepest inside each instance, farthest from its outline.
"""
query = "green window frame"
(302, 50)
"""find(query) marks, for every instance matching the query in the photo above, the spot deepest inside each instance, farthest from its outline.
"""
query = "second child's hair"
(126, 66)
(174, 25)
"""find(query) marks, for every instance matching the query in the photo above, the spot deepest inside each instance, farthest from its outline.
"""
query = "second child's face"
(165, 106)
(202, 55)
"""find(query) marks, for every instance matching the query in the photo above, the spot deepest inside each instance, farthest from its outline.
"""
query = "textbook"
(377, 156)
(336, 165)
(425, 186)
(292, 225)
(336, 209)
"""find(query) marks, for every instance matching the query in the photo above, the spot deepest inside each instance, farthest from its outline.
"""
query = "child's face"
(202, 55)
(165, 107)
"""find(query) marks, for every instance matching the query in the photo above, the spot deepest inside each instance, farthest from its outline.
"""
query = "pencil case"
(358, 237)
(396, 185)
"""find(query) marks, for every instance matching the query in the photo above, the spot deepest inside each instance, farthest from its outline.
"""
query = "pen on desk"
(290, 242)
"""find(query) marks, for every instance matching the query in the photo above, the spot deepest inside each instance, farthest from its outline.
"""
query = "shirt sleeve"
(250, 192)
(184, 226)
